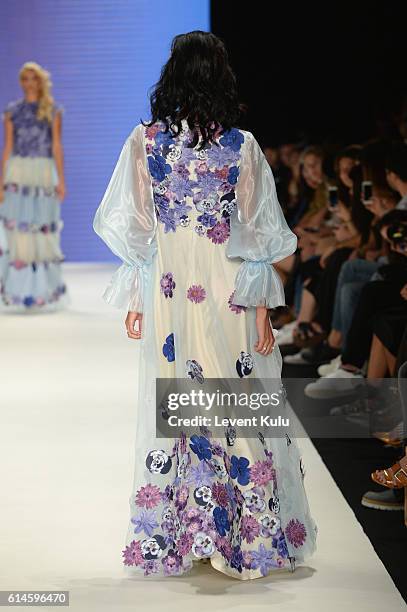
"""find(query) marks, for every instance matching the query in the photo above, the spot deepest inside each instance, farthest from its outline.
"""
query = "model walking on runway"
(32, 187)
(192, 211)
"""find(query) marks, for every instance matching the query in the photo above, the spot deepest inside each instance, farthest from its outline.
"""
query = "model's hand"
(265, 342)
(60, 190)
(132, 331)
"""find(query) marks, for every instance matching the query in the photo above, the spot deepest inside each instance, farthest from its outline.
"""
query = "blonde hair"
(45, 99)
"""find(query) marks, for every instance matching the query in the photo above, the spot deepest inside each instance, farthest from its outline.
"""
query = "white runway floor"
(66, 468)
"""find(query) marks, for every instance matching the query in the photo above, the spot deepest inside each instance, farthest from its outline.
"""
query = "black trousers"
(376, 297)
(322, 284)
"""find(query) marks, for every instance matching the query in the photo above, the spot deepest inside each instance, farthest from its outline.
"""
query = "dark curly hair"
(196, 84)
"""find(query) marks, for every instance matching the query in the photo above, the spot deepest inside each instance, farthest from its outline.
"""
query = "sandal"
(394, 477)
(391, 438)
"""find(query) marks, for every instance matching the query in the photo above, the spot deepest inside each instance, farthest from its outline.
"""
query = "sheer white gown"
(197, 231)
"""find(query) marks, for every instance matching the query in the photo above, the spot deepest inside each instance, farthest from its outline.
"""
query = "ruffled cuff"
(258, 284)
(126, 288)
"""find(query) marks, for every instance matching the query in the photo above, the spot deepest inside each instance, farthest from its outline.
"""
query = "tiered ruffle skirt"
(30, 226)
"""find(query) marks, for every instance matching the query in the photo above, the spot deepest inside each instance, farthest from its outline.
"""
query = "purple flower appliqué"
(296, 533)
(224, 547)
(221, 156)
(185, 543)
(207, 220)
(181, 497)
(196, 294)
(262, 472)
(207, 184)
(172, 563)
(148, 496)
(220, 495)
(150, 567)
(167, 284)
(263, 559)
(200, 475)
(180, 186)
(219, 233)
(132, 554)
(249, 528)
(146, 521)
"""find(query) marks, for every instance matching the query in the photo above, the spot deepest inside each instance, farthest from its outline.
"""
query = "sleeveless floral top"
(31, 137)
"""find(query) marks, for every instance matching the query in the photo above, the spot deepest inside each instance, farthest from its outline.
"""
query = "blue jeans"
(352, 278)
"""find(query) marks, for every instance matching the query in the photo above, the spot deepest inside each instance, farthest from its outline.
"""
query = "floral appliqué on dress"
(215, 504)
(194, 187)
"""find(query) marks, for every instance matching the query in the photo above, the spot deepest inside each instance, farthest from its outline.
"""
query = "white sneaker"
(296, 359)
(340, 382)
(332, 366)
(286, 334)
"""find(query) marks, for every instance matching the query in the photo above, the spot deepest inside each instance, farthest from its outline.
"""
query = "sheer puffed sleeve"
(126, 221)
(259, 233)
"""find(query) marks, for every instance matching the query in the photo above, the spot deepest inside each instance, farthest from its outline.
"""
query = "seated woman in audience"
(319, 280)
(350, 229)
(311, 208)
(344, 163)
(360, 267)
(383, 296)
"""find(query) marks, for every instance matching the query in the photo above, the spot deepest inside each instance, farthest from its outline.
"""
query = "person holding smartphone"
(396, 172)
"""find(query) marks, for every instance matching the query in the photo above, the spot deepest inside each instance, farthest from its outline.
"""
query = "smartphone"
(333, 197)
(397, 233)
(367, 191)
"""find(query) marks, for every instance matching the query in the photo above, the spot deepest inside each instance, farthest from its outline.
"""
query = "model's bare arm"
(58, 154)
(7, 149)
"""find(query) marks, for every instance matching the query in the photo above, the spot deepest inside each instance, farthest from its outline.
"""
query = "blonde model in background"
(32, 187)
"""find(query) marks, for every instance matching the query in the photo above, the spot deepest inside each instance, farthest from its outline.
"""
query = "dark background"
(333, 76)
(330, 74)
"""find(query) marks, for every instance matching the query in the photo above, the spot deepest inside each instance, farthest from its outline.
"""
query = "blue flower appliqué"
(164, 139)
(233, 175)
(233, 138)
(169, 348)
(236, 559)
(240, 469)
(220, 516)
(158, 167)
(201, 447)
